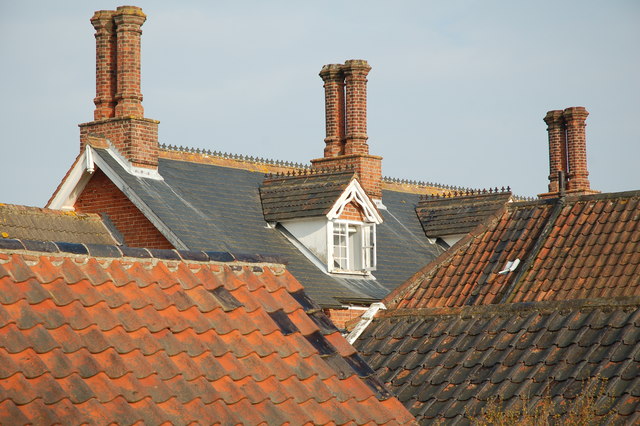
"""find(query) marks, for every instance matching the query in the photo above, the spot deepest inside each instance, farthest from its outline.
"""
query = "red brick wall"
(352, 211)
(102, 196)
(344, 318)
(135, 138)
(368, 167)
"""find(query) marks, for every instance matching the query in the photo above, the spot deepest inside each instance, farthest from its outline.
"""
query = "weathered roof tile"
(522, 350)
(129, 340)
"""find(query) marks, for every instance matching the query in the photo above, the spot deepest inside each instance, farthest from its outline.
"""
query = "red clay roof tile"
(123, 340)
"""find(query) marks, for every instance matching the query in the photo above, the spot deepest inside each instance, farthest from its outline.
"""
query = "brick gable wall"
(343, 318)
(352, 211)
(102, 196)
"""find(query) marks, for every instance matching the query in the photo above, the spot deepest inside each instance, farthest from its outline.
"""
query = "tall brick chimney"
(567, 152)
(119, 115)
(346, 125)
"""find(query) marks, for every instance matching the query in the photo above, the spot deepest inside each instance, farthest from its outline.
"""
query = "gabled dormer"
(328, 215)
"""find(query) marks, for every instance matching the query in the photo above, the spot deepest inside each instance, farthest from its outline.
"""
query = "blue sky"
(457, 92)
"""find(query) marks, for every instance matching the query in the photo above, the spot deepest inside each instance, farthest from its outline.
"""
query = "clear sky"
(456, 96)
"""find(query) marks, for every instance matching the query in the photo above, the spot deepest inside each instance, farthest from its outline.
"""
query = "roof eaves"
(115, 251)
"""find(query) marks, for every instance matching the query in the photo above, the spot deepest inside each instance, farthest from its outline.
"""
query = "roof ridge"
(304, 173)
(47, 210)
(238, 157)
(115, 251)
(509, 308)
(467, 193)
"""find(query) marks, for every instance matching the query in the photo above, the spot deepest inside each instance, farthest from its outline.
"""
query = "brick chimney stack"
(334, 105)
(119, 115)
(105, 99)
(568, 151)
(346, 125)
(575, 123)
(355, 73)
(129, 20)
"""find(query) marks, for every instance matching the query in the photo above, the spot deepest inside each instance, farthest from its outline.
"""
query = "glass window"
(354, 247)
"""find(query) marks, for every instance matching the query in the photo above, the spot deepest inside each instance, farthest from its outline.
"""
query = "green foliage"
(579, 411)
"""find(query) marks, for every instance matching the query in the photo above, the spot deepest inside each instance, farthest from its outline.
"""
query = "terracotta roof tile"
(148, 340)
(578, 247)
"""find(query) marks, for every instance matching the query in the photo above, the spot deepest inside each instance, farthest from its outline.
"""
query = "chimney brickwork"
(346, 125)
(567, 151)
(355, 73)
(557, 147)
(333, 78)
(119, 115)
(105, 99)
(578, 174)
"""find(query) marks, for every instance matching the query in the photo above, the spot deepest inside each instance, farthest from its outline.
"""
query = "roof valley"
(533, 253)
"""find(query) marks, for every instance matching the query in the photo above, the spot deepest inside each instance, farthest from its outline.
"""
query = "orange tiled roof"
(573, 248)
(86, 339)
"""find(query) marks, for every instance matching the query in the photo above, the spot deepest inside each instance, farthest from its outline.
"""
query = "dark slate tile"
(339, 365)
(140, 253)
(41, 246)
(301, 297)
(197, 256)
(249, 258)
(377, 387)
(72, 248)
(359, 365)
(322, 345)
(11, 244)
(323, 322)
(226, 299)
(284, 322)
(103, 250)
(220, 256)
(165, 254)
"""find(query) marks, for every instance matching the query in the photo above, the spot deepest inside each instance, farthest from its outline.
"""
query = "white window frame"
(367, 252)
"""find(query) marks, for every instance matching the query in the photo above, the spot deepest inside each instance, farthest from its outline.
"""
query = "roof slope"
(447, 363)
(578, 247)
(85, 339)
(307, 195)
(211, 207)
(443, 216)
(34, 223)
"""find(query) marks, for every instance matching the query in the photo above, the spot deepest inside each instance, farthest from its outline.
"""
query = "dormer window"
(327, 216)
(353, 248)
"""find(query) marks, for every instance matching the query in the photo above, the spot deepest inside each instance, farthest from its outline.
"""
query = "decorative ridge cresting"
(346, 169)
(114, 251)
(467, 193)
(238, 157)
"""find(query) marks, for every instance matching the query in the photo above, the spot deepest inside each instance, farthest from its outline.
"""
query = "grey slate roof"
(308, 195)
(447, 363)
(34, 223)
(210, 207)
(443, 216)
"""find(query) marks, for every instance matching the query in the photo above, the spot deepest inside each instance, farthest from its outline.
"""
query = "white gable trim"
(130, 168)
(74, 183)
(80, 174)
(354, 192)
